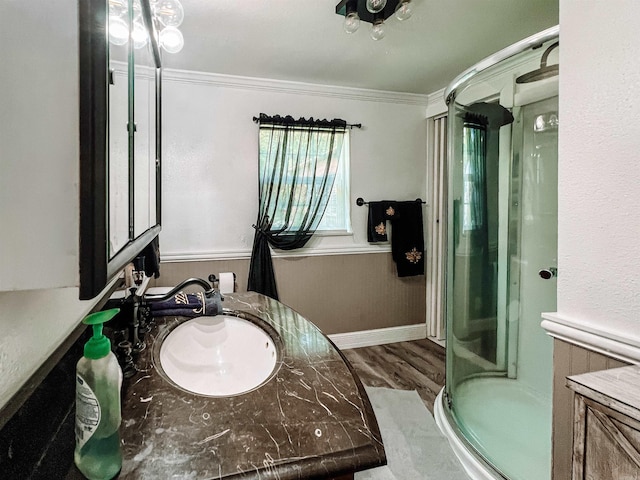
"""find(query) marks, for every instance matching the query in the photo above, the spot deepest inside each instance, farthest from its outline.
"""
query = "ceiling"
(303, 41)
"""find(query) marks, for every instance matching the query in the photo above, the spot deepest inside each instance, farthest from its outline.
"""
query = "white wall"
(210, 171)
(39, 145)
(599, 167)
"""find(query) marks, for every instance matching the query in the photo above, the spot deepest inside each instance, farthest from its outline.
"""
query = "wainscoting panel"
(568, 360)
(339, 293)
(175, 272)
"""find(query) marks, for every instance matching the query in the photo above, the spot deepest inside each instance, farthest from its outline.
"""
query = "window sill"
(334, 233)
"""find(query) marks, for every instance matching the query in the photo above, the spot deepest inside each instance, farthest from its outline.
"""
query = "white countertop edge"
(608, 343)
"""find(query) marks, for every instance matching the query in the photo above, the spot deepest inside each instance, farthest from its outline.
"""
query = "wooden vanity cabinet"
(606, 432)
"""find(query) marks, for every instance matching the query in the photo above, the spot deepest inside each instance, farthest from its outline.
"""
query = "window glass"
(337, 216)
(473, 161)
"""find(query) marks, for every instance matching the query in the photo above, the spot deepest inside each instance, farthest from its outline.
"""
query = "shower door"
(502, 264)
(533, 237)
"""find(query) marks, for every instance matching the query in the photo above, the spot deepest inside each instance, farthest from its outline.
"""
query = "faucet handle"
(124, 355)
(144, 315)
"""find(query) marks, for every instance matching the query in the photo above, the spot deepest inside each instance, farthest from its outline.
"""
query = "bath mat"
(415, 447)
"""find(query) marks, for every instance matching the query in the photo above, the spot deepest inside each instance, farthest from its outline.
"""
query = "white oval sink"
(218, 356)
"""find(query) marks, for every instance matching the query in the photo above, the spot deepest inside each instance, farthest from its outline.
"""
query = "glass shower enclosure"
(501, 253)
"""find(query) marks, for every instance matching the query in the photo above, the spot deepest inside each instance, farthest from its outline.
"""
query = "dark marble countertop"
(311, 420)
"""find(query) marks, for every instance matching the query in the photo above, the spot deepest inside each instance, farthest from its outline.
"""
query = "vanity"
(606, 436)
(311, 419)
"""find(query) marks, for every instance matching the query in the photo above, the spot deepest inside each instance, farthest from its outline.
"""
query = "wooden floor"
(416, 365)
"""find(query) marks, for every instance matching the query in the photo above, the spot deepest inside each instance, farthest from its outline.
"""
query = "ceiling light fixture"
(374, 12)
(167, 15)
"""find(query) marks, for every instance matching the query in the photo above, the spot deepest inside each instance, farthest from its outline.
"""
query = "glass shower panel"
(502, 259)
(474, 203)
(533, 237)
(490, 396)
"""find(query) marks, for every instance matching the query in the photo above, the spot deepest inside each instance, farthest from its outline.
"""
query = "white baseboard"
(380, 336)
(439, 341)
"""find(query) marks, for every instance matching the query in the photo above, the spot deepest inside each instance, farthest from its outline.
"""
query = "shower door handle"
(548, 273)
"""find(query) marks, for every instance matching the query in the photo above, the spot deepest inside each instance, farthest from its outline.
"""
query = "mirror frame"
(96, 269)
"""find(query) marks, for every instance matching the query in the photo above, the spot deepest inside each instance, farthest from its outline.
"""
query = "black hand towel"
(151, 255)
(407, 243)
(188, 305)
(379, 213)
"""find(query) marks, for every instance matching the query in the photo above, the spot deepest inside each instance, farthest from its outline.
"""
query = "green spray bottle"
(98, 382)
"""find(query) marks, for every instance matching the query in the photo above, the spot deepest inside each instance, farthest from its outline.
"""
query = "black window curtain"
(297, 167)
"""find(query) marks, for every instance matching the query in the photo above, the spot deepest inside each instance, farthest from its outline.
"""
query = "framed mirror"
(144, 138)
(118, 150)
(120, 141)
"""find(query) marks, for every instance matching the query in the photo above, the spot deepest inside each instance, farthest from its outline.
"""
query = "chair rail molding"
(301, 252)
(613, 339)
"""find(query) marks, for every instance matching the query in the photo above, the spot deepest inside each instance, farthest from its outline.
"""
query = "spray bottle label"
(87, 412)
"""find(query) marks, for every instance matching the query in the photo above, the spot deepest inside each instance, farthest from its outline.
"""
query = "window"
(474, 186)
(337, 218)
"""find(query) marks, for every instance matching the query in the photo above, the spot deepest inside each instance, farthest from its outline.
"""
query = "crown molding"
(436, 105)
(296, 88)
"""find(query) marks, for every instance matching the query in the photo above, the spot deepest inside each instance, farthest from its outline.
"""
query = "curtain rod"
(347, 125)
(360, 201)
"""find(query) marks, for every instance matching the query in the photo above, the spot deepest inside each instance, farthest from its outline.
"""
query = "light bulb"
(377, 30)
(118, 31)
(171, 39)
(169, 12)
(139, 35)
(403, 10)
(351, 22)
(374, 6)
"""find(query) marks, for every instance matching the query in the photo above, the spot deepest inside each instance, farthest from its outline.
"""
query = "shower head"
(492, 115)
(539, 74)
(544, 71)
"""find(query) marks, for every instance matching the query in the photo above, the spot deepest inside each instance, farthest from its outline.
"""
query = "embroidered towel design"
(413, 256)
(379, 213)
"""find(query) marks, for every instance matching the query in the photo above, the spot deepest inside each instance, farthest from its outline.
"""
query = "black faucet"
(140, 320)
(142, 307)
(209, 291)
